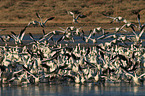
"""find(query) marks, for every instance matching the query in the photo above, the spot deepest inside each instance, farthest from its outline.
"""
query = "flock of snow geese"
(121, 58)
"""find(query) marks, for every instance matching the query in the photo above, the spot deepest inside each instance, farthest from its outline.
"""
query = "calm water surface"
(89, 89)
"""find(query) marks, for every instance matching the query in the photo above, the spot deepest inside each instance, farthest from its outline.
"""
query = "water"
(37, 33)
(89, 89)
(77, 40)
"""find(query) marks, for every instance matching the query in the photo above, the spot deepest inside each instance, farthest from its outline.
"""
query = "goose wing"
(142, 31)
(142, 27)
(2, 39)
(138, 18)
(13, 35)
(129, 74)
(71, 13)
(141, 75)
(114, 18)
(31, 36)
(81, 16)
(61, 38)
(22, 33)
(51, 18)
(133, 30)
(39, 17)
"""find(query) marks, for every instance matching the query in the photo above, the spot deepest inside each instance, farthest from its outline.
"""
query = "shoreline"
(61, 24)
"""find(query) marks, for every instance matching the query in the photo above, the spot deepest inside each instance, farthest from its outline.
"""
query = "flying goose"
(42, 24)
(117, 19)
(118, 29)
(18, 39)
(137, 37)
(34, 23)
(76, 18)
(141, 27)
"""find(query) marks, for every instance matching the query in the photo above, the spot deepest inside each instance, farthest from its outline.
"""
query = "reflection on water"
(90, 89)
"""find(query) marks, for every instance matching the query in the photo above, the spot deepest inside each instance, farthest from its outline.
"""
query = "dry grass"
(23, 11)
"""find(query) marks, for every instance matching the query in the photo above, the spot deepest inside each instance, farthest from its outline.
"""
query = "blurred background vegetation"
(24, 11)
